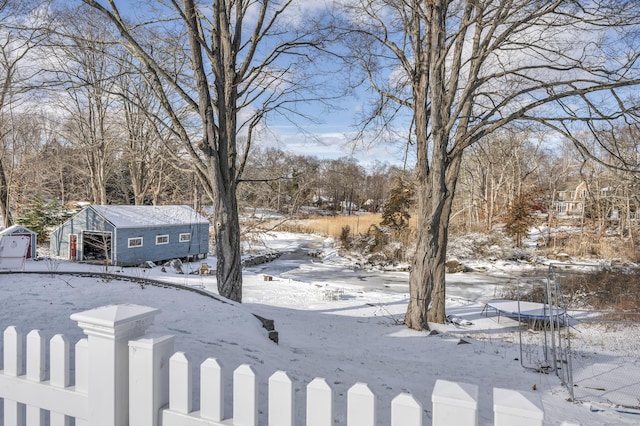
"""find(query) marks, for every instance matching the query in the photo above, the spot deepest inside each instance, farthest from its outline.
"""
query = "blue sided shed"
(19, 230)
(131, 235)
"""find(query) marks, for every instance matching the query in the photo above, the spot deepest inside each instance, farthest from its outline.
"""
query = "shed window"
(134, 242)
(184, 238)
(162, 239)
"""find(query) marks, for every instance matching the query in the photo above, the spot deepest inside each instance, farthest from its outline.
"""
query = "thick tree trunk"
(226, 231)
(426, 280)
(219, 145)
(427, 277)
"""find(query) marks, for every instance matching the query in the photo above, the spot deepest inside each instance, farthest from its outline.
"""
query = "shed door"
(96, 246)
(73, 246)
(28, 248)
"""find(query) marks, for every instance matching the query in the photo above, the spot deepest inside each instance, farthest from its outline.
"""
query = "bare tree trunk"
(5, 211)
(227, 232)
(219, 144)
(427, 284)
(96, 175)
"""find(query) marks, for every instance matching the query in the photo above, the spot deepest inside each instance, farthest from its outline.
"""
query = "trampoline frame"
(520, 313)
(552, 313)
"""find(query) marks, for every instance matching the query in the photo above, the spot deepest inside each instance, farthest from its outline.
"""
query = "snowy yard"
(330, 328)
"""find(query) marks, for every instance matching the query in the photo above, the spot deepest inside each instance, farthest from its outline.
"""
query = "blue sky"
(332, 136)
(329, 136)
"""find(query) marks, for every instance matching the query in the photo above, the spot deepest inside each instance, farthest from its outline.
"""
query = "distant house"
(570, 201)
(131, 235)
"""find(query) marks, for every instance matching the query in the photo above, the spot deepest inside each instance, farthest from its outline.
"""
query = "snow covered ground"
(332, 323)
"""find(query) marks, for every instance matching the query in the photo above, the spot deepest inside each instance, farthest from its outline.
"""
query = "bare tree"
(28, 134)
(342, 181)
(279, 180)
(55, 167)
(146, 149)
(233, 64)
(466, 68)
(377, 185)
(495, 172)
(82, 61)
(17, 76)
(612, 191)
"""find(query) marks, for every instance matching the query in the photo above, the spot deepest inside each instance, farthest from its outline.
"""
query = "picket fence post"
(180, 384)
(12, 359)
(35, 373)
(454, 403)
(60, 376)
(516, 408)
(109, 330)
(319, 403)
(211, 390)
(281, 400)
(245, 396)
(361, 406)
(148, 378)
(406, 411)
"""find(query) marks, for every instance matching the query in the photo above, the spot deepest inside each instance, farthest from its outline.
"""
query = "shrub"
(395, 213)
(605, 290)
(345, 236)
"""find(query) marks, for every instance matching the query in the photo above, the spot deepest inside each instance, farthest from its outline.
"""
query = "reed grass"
(330, 226)
(588, 245)
(574, 244)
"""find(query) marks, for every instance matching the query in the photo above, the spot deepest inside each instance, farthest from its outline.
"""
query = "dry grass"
(617, 290)
(588, 245)
(330, 226)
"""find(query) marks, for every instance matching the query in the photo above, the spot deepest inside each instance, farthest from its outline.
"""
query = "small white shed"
(21, 231)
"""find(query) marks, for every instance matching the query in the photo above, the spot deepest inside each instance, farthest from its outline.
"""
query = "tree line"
(172, 97)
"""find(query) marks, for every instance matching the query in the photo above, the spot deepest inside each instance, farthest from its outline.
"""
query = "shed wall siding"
(150, 251)
(86, 220)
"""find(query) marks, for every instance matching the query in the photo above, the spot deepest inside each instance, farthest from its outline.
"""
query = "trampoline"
(522, 310)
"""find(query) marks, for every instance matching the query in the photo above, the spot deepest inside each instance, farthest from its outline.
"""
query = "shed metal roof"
(139, 216)
(16, 229)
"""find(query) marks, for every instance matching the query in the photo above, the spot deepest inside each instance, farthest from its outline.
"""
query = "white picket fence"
(124, 377)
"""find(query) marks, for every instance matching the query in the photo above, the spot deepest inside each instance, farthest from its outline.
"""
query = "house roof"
(139, 216)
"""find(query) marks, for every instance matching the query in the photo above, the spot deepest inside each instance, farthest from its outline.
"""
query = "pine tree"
(519, 219)
(41, 216)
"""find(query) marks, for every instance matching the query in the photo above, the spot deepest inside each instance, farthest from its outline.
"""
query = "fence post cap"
(319, 383)
(280, 376)
(523, 404)
(454, 393)
(116, 321)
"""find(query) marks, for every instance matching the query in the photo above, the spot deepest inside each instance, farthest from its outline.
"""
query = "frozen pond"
(297, 265)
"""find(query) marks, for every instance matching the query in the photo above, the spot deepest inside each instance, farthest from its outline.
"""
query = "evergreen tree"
(519, 219)
(41, 216)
